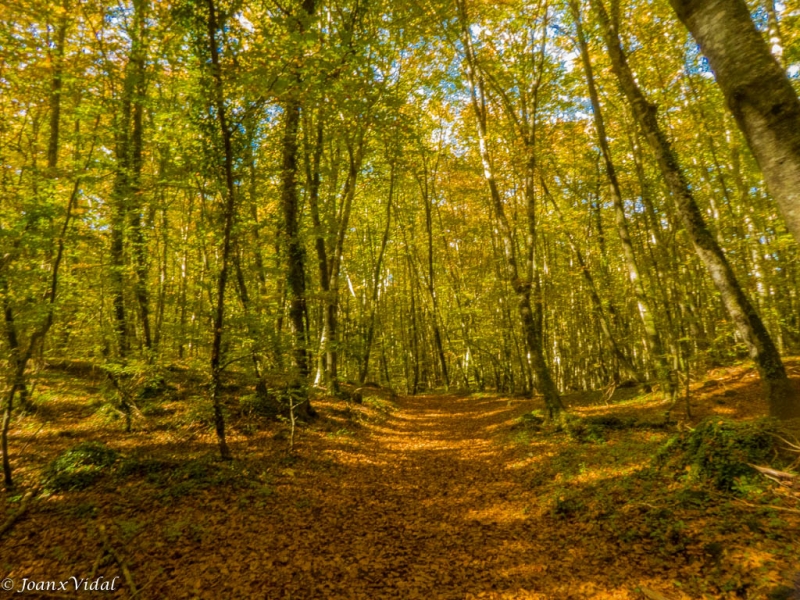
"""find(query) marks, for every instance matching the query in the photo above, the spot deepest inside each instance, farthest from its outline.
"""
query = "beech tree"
(757, 91)
(312, 196)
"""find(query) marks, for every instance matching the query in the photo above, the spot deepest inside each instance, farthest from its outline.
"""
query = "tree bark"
(634, 275)
(138, 242)
(757, 92)
(783, 398)
(295, 254)
(228, 215)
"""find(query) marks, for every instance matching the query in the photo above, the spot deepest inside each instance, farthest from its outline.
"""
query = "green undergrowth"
(721, 452)
(678, 497)
(84, 465)
(380, 404)
(176, 477)
(79, 467)
(595, 429)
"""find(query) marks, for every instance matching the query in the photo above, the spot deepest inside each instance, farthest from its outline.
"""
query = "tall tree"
(783, 398)
(634, 274)
(522, 287)
(757, 90)
(295, 253)
(228, 216)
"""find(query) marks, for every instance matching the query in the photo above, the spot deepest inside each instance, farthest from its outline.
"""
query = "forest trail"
(433, 506)
(433, 496)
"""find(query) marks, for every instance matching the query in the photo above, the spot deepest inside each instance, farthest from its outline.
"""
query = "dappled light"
(459, 299)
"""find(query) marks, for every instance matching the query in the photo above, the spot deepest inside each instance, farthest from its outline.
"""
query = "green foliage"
(343, 432)
(567, 506)
(379, 404)
(532, 420)
(133, 387)
(201, 412)
(178, 478)
(260, 404)
(79, 467)
(720, 451)
(580, 429)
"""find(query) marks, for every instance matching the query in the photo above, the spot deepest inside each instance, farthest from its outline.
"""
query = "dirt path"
(434, 501)
(429, 507)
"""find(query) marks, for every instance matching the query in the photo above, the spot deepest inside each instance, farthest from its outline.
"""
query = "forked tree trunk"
(522, 289)
(376, 281)
(356, 155)
(757, 91)
(783, 398)
(426, 184)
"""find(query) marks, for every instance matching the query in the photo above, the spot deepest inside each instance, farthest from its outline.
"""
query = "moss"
(79, 467)
(720, 451)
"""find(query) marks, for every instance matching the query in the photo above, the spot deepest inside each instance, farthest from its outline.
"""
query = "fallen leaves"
(429, 501)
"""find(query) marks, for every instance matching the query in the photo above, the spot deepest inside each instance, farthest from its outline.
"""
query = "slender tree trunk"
(335, 264)
(643, 302)
(19, 355)
(376, 281)
(522, 289)
(757, 91)
(228, 215)
(313, 158)
(427, 200)
(135, 70)
(622, 361)
(783, 398)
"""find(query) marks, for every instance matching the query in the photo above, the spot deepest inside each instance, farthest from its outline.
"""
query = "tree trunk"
(783, 398)
(757, 91)
(622, 361)
(643, 302)
(228, 215)
(376, 281)
(427, 201)
(522, 289)
(138, 242)
(295, 256)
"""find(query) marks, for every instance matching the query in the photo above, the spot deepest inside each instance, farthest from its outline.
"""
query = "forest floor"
(433, 496)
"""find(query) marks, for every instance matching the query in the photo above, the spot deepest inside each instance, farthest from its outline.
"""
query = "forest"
(400, 298)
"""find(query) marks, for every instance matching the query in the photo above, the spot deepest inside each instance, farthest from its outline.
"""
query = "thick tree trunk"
(295, 256)
(783, 398)
(757, 91)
